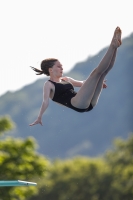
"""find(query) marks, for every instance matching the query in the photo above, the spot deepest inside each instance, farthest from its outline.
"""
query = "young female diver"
(60, 89)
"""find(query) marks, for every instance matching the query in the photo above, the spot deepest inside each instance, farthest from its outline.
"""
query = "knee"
(96, 72)
(104, 74)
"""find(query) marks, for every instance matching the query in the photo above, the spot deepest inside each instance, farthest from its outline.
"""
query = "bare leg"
(86, 92)
(99, 87)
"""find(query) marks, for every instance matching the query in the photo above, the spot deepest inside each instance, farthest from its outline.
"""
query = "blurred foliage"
(80, 178)
(122, 152)
(19, 161)
(6, 124)
(107, 178)
(120, 160)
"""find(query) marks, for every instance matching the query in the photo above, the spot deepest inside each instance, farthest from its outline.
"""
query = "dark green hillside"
(67, 133)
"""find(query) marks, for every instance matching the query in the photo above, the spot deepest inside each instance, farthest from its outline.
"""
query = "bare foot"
(116, 41)
(117, 34)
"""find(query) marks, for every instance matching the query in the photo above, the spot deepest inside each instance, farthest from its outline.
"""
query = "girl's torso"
(61, 90)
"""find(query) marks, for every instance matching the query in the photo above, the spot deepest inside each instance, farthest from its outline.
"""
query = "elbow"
(45, 103)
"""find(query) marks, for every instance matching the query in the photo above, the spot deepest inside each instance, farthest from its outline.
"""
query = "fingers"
(36, 122)
(32, 124)
(104, 86)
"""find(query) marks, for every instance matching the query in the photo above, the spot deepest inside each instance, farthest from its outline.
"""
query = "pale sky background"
(70, 30)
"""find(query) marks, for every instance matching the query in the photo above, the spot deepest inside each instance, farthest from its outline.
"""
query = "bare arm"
(45, 103)
(77, 83)
(74, 82)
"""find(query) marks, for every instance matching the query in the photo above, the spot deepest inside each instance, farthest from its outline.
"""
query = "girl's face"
(57, 70)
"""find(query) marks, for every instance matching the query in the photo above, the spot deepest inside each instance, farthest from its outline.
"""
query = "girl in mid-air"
(61, 89)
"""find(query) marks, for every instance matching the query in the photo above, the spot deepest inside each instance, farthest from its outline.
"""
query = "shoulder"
(65, 78)
(48, 85)
(68, 79)
(74, 82)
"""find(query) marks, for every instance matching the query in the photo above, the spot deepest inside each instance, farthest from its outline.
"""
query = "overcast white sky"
(70, 30)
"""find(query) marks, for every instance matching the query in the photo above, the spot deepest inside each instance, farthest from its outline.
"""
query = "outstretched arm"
(77, 83)
(45, 103)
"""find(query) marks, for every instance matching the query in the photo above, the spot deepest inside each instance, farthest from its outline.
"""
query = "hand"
(38, 121)
(104, 84)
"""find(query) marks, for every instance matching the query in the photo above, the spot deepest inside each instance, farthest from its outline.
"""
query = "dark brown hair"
(45, 65)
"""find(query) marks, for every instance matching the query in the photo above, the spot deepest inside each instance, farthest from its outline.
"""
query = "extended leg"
(86, 92)
(100, 82)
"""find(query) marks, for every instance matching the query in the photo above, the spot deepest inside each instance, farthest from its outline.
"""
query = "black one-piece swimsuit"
(64, 92)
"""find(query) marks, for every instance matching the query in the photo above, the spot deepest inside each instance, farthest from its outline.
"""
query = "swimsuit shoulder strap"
(52, 82)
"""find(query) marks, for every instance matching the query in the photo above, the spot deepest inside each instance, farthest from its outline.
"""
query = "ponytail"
(45, 66)
(40, 72)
